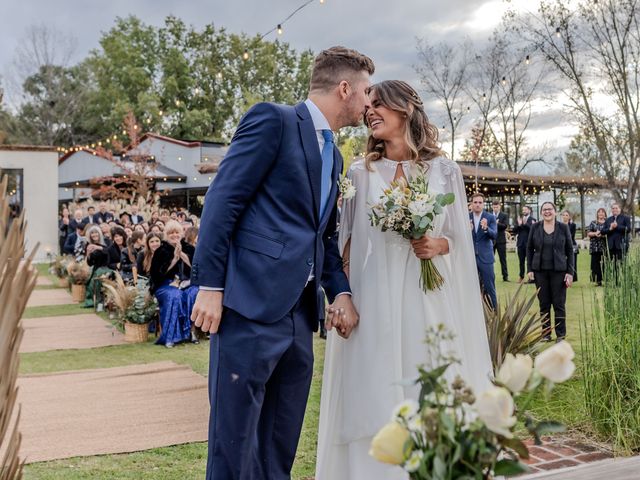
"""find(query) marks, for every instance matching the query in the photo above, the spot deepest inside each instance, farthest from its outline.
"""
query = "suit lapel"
(312, 155)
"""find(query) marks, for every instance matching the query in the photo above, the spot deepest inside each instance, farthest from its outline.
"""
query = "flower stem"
(430, 278)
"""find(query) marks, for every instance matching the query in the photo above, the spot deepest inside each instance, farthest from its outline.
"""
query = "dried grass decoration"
(17, 280)
(135, 307)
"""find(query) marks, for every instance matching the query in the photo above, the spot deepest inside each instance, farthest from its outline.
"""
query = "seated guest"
(155, 216)
(157, 227)
(103, 216)
(91, 215)
(106, 233)
(141, 227)
(128, 256)
(167, 267)
(136, 218)
(69, 246)
(125, 219)
(64, 228)
(189, 248)
(77, 219)
(115, 249)
(143, 262)
(128, 230)
(98, 258)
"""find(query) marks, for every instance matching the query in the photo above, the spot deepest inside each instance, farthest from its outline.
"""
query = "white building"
(176, 166)
(33, 184)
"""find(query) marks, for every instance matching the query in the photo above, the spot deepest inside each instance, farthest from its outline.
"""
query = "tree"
(594, 49)
(444, 71)
(481, 147)
(503, 86)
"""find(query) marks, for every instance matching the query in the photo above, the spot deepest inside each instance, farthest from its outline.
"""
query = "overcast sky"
(386, 30)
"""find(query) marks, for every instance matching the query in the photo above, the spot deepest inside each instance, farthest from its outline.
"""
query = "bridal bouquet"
(408, 209)
(452, 434)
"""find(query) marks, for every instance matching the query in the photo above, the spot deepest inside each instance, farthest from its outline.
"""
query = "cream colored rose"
(556, 363)
(495, 408)
(515, 371)
(389, 444)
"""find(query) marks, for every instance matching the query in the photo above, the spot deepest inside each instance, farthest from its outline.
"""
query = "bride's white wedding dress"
(363, 375)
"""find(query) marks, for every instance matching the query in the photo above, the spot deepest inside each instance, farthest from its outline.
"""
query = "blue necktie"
(327, 167)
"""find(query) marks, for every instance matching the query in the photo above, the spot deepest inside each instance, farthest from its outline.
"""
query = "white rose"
(515, 371)
(390, 444)
(414, 461)
(417, 208)
(406, 410)
(495, 408)
(555, 363)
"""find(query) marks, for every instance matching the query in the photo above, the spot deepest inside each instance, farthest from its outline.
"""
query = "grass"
(188, 461)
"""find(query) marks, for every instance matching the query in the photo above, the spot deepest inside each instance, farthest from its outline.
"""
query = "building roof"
(28, 148)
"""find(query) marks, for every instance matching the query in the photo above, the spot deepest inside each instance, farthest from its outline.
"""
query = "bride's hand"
(342, 315)
(428, 247)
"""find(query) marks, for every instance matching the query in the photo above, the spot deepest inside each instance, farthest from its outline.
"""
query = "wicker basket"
(78, 292)
(63, 282)
(136, 332)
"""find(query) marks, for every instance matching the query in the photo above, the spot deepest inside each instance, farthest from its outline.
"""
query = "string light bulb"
(558, 32)
(527, 60)
(245, 55)
(504, 81)
(279, 29)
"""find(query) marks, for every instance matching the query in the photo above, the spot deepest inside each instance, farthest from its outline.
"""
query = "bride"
(363, 376)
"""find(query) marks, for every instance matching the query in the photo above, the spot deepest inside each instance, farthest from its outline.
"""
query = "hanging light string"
(278, 27)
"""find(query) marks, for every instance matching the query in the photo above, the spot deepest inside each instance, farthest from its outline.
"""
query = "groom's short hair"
(336, 64)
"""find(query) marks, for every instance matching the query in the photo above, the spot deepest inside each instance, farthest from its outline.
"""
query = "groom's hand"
(342, 315)
(207, 311)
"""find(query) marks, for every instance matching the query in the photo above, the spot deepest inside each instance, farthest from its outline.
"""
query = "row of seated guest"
(169, 273)
(98, 257)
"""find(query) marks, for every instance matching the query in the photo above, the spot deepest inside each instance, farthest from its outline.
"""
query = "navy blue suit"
(483, 246)
(260, 238)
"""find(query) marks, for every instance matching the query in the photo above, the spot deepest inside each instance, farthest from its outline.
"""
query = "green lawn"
(188, 461)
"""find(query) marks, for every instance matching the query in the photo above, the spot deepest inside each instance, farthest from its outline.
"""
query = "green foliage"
(514, 329)
(611, 351)
(177, 80)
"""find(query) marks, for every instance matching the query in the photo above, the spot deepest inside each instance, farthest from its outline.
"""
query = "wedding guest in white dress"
(363, 375)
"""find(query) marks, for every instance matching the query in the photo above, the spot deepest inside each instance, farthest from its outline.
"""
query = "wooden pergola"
(493, 182)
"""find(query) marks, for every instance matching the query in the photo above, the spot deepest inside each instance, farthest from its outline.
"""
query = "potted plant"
(135, 307)
(58, 267)
(79, 273)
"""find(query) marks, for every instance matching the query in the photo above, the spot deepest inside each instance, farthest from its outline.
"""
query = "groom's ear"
(344, 89)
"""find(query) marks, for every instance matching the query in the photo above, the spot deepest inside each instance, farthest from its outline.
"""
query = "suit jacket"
(135, 219)
(503, 223)
(483, 239)
(562, 248)
(617, 238)
(73, 224)
(261, 232)
(102, 217)
(523, 232)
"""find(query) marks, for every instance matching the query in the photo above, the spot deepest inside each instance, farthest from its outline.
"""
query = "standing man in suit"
(91, 215)
(617, 228)
(500, 245)
(485, 231)
(522, 231)
(264, 249)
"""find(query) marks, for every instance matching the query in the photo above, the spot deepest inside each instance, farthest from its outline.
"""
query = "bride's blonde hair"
(421, 136)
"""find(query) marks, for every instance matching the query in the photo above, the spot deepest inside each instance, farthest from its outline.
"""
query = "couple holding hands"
(268, 242)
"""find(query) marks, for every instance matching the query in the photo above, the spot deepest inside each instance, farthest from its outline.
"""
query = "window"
(15, 189)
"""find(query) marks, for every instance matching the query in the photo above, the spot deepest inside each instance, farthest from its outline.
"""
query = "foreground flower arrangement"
(452, 434)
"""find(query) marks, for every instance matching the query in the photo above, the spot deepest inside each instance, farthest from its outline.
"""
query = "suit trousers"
(501, 248)
(552, 292)
(596, 267)
(259, 379)
(522, 258)
(488, 282)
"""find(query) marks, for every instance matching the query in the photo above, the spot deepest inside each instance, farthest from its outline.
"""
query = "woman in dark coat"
(550, 264)
(167, 271)
(114, 250)
(129, 255)
(597, 245)
(98, 258)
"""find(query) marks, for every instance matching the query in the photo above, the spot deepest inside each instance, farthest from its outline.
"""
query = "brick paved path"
(557, 453)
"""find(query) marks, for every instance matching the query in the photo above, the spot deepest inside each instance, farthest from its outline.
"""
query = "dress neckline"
(394, 163)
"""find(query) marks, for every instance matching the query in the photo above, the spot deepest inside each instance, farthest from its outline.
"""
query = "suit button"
(309, 261)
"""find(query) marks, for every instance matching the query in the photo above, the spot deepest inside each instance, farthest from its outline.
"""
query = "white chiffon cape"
(363, 376)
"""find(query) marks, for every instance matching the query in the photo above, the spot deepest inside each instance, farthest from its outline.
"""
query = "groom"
(267, 242)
